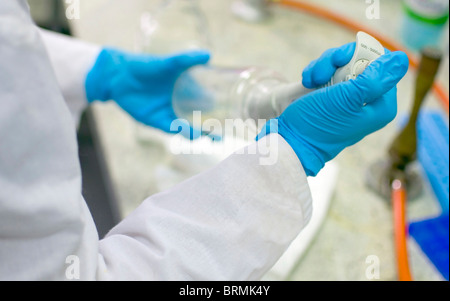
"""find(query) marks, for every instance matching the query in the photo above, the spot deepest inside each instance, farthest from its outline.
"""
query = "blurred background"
(123, 162)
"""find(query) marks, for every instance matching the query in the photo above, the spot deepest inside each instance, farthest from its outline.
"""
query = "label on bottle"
(430, 11)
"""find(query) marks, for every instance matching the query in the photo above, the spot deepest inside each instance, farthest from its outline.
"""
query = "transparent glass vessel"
(250, 94)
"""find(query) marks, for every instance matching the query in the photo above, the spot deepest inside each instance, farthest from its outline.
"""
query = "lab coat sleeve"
(71, 60)
(230, 223)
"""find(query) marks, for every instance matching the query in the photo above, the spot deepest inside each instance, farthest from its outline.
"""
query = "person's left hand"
(142, 85)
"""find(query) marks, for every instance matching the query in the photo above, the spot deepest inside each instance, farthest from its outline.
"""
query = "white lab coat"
(232, 222)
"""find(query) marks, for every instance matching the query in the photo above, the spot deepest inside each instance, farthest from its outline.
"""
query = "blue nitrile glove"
(321, 124)
(142, 85)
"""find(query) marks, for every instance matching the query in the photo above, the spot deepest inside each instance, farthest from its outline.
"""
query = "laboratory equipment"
(424, 23)
(403, 150)
(224, 93)
(331, 16)
(393, 177)
(433, 153)
(368, 49)
(251, 10)
(255, 94)
(322, 124)
(432, 233)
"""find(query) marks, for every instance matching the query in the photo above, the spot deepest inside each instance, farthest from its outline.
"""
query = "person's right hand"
(321, 124)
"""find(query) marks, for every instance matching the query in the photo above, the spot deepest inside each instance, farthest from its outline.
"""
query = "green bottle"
(424, 23)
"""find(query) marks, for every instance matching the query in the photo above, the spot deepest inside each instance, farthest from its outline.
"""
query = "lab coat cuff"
(274, 149)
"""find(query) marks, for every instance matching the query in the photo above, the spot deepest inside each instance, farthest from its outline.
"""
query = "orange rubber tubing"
(399, 198)
(320, 12)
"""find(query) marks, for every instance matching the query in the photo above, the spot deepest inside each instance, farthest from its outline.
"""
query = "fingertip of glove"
(306, 82)
(403, 61)
(198, 55)
(344, 54)
(396, 62)
(306, 77)
(386, 71)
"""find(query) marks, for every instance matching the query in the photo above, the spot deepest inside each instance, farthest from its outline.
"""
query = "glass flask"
(173, 26)
(253, 95)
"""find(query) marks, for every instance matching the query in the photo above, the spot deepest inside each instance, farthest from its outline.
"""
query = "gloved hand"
(142, 85)
(321, 124)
